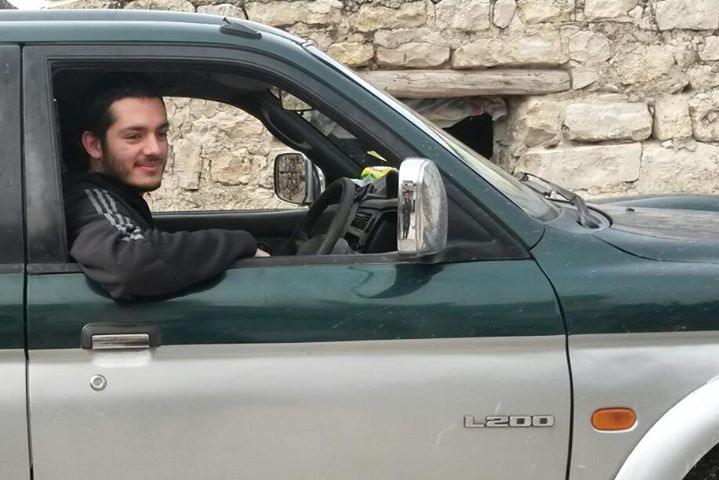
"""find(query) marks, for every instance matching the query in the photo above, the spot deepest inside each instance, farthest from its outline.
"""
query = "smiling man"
(110, 228)
(133, 148)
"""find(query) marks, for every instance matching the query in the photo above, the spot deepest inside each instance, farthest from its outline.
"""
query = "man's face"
(135, 146)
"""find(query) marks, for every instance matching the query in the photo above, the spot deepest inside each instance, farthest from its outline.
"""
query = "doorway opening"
(476, 132)
(468, 119)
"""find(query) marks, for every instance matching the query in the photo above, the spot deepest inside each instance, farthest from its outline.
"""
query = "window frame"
(47, 248)
(11, 222)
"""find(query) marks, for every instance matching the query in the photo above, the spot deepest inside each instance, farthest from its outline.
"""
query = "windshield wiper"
(586, 218)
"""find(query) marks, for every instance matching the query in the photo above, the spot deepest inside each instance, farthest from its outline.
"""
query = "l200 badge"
(509, 421)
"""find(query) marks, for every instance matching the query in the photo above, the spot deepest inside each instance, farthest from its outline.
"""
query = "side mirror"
(422, 209)
(297, 179)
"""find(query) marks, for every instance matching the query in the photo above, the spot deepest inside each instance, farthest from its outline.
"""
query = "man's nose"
(152, 146)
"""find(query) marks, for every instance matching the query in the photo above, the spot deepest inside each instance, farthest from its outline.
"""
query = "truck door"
(14, 459)
(353, 368)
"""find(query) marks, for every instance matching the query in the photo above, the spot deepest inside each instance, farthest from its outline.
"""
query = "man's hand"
(261, 253)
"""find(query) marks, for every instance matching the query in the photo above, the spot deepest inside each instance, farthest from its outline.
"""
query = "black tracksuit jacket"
(112, 236)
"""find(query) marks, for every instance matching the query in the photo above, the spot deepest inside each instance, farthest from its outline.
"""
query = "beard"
(125, 172)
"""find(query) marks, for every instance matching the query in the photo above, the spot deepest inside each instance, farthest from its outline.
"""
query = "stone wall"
(220, 158)
(640, 115)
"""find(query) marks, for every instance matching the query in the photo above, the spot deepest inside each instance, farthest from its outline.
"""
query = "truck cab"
(484, 356)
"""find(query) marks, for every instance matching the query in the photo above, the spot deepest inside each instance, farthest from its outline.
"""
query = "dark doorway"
(475, 132)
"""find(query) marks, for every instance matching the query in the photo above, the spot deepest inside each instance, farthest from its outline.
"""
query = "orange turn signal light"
(614, 419)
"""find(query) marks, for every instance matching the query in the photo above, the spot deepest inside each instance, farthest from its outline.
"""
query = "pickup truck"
(474, 324)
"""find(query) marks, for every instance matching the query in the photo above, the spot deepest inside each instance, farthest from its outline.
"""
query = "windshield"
(527, 199)
(524, 197)
(353, 147)
(363, 154)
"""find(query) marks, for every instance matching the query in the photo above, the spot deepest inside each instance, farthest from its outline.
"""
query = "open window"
(226, 129)
(334, 134)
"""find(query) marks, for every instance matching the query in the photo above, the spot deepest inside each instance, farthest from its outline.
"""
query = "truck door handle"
(99, 336)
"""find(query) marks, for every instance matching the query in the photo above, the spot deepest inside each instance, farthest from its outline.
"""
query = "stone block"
(538, 123)
(596, 122)
(376, 17)
(703, 77)
(174, 5)
(583, 77)
(282, 13)
(89, 5)
(231, 168)
(609, 10)
(187, 164)
(395, 38)
(710, 51)
(586, 167)
(445, 83)
(413, 55)
(641, 64)
(687, 14)
(589, 47)
(170, 198)
(225, 10)
(178, 113)
(637, 13)
(704, 112)
(321, 35)
(541, 11)
(263, 172)
(685, 55)
(538, 48)
(666, 170)
(352, 54)
(504, 11)
(467, 15)
(671, 117)
(323, 12)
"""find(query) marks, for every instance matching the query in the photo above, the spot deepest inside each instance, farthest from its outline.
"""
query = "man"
(110, 228)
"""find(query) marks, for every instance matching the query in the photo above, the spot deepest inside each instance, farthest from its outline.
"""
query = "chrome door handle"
(121, 341)
(98, 336)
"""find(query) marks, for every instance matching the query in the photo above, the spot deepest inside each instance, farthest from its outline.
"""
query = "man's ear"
(92, 145)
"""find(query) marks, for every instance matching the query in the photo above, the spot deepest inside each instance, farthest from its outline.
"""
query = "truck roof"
(41, 26)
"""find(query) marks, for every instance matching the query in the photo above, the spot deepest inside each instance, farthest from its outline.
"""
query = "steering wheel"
(340, 192)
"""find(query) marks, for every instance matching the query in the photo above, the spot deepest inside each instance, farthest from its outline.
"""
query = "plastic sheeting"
(446, 112)
(443, 112)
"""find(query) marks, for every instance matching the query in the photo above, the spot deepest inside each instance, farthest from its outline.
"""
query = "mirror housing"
(421, 209)
(297, 179)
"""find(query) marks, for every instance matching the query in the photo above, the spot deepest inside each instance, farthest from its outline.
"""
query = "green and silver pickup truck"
(473, 326)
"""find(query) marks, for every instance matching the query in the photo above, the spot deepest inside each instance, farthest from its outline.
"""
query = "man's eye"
(132, 136)
(162, 134)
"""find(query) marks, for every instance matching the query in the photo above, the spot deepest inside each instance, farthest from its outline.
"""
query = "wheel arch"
(678, 440)
(707, 466)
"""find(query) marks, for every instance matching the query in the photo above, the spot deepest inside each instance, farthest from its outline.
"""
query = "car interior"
(361, 222)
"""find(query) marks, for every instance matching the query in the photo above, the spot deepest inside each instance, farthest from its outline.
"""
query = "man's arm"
(128, 261)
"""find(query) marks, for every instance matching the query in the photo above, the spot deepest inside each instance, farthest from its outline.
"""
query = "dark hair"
(97, 116)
